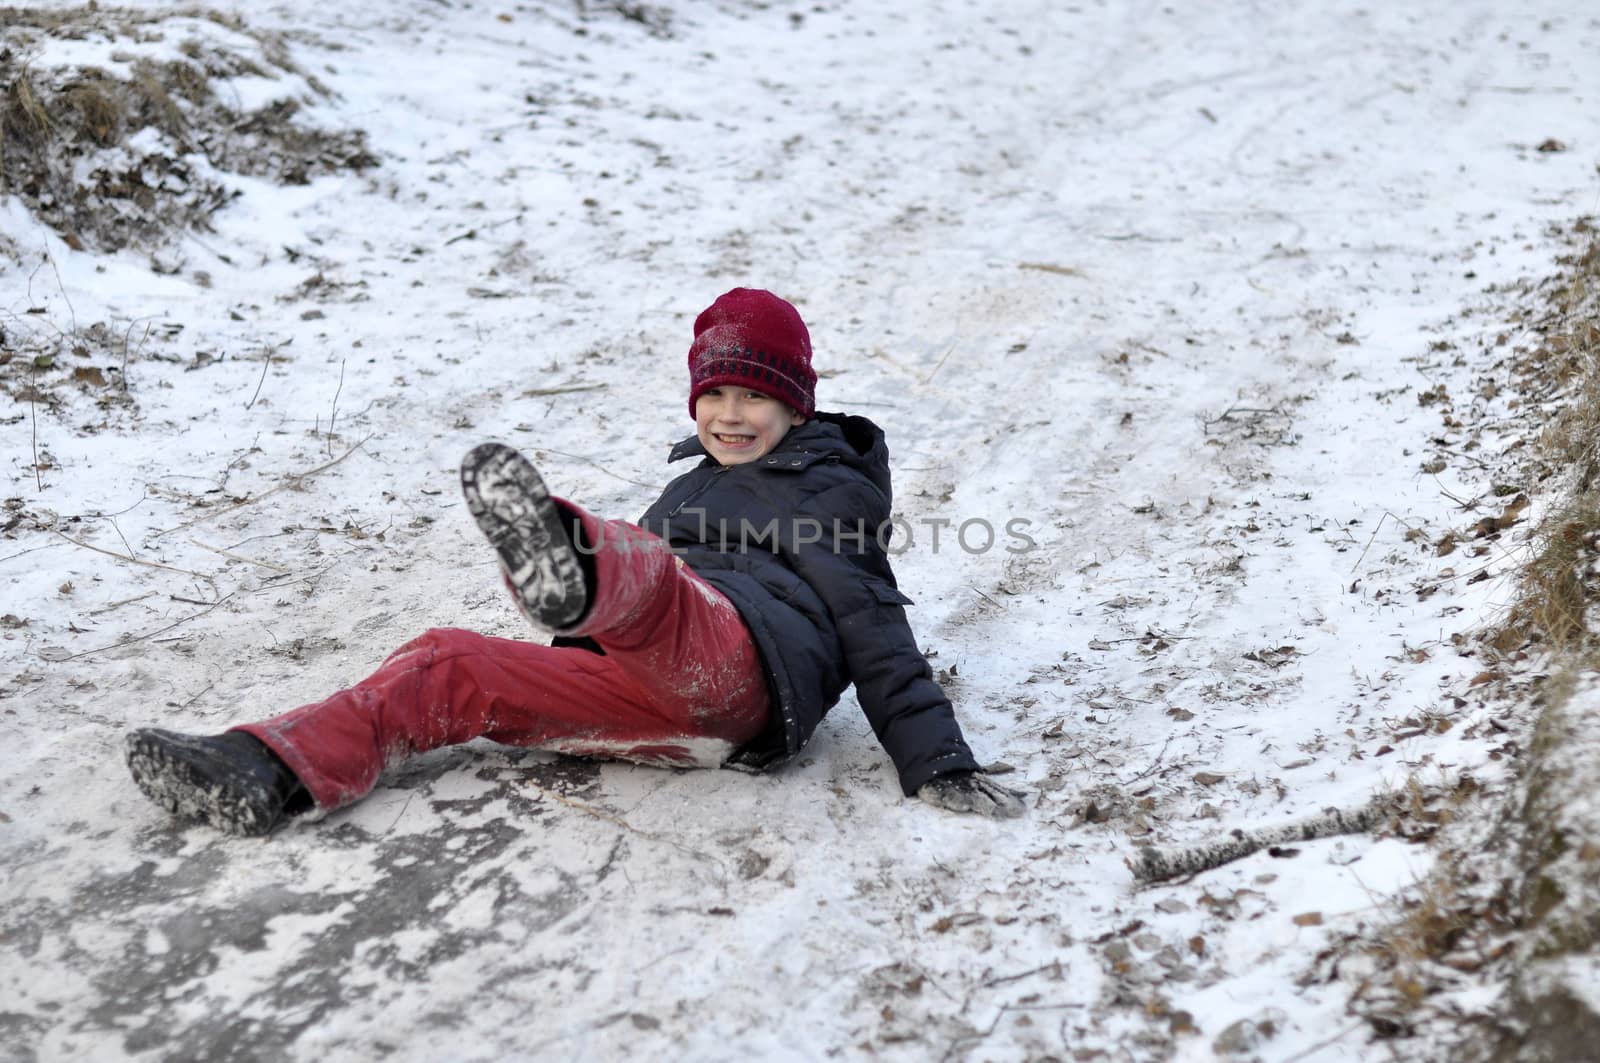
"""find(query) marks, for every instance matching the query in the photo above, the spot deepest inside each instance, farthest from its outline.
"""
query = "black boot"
(231, 781)
(512, 506)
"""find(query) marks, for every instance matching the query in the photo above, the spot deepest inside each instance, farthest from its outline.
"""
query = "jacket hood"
(854, 440)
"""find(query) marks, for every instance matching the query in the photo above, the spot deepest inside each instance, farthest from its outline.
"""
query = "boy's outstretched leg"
(512, 506)
(231, 781)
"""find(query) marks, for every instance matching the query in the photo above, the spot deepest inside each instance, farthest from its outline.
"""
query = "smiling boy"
(737, 425)
(680, 644)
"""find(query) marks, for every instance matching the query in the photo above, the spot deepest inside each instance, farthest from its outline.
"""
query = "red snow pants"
(680, 682)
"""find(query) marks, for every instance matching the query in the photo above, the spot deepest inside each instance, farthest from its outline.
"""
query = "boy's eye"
(754, 396)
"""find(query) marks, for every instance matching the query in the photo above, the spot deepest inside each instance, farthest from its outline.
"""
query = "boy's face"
(737, 425)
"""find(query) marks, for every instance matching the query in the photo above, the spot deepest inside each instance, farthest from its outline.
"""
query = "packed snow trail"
(1162, 285)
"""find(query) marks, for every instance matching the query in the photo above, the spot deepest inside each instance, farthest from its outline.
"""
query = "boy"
(718, 630)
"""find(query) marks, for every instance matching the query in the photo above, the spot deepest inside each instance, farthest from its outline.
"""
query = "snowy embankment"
(1176, 289)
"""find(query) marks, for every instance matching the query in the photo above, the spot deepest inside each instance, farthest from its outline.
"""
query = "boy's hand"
(972, 791)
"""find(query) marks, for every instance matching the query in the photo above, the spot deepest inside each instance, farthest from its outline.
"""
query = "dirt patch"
(134, 149)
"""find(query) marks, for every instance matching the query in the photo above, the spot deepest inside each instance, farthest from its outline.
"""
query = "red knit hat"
(752, 339)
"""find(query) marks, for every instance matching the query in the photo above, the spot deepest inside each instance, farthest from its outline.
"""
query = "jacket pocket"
(886, 594)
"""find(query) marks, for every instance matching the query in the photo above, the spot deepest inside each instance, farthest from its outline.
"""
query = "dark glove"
(972, 791)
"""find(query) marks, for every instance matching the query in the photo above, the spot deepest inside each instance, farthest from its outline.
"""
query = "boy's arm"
(907, 709)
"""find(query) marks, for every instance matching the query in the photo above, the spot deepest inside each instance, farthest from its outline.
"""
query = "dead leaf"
(1508, 516)
(1180, 714)
(1275, 657)
(89, 374)
(1207, 778)
(1308, 919)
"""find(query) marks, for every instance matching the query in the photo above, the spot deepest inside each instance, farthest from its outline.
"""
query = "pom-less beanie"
(750, 338)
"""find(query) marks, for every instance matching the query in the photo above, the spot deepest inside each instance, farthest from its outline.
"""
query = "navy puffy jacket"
(792, 540)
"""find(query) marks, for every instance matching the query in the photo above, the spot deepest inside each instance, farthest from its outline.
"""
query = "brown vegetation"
(1561, 585)
(66, 134)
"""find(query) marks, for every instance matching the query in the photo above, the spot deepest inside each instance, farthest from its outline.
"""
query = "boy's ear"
(796, 418)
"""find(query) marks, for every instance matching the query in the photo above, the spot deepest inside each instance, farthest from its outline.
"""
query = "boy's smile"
(737, 425)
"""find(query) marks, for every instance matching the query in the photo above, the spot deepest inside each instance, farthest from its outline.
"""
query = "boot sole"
(507, 497)
(180, 776)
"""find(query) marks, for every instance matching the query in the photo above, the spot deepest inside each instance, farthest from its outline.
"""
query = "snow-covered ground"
(1165, 284)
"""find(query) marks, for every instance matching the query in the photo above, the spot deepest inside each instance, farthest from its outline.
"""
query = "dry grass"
(60, 129)
(92, 101)
(1560, 587)
(1447, 927)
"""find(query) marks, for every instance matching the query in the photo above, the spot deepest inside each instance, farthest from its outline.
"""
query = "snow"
(1161, 282)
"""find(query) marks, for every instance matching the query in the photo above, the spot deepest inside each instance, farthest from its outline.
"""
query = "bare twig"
(402, 811)
(34, 273)
(149, 635)
(1051, 267)
(945, 357)
(966, 1041)
(125, 336)
(334, 415)
(29, 550)
(1154, 865)
(1154, 764)
(136, 561)
(1320, 1045)
(1053, 966)
(272, 583)
(293, 481)
(472, 234)
(33, 412)
(71, 313)
(596, 464)
(118, 528)
(266, 363)
(231, 556)
(534, 393)
(1370, 538)
(1227, 415)
(1390, 516)
(119, 605)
